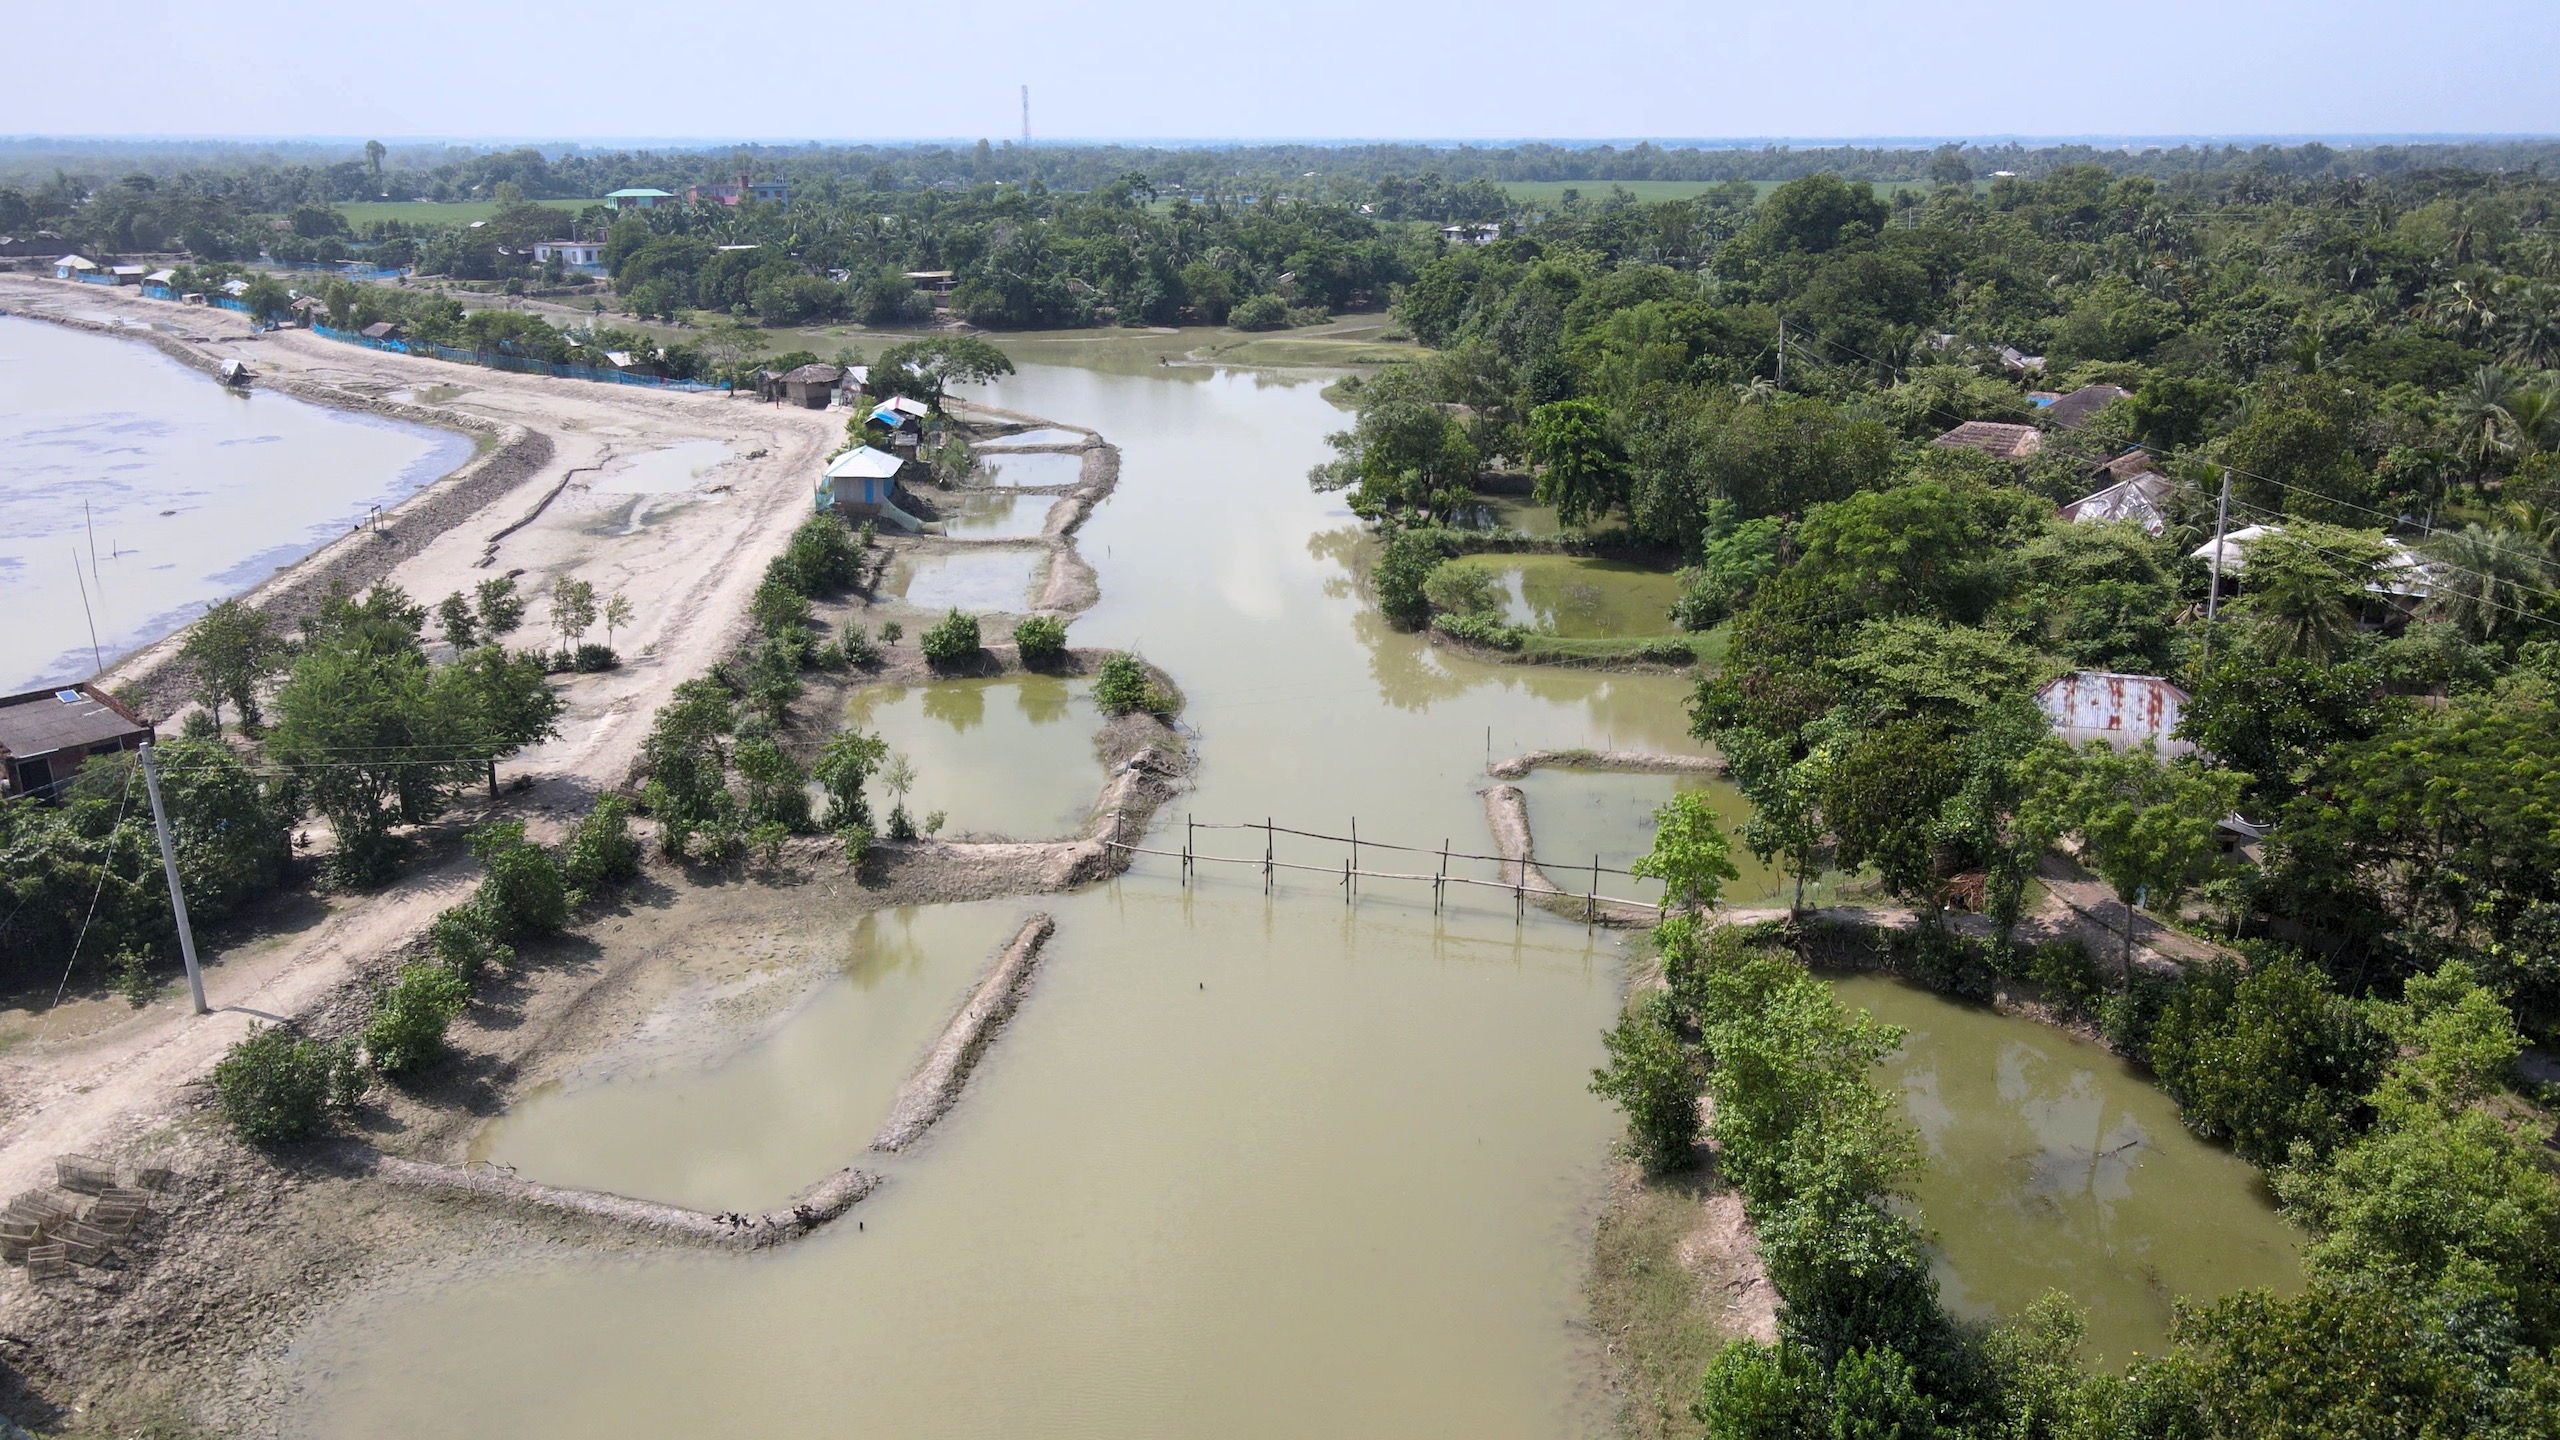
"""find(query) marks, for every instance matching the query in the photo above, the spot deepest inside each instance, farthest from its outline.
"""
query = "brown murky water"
(1243, 1165)
(2053, 1165)
(1010, 756)
(193, 492)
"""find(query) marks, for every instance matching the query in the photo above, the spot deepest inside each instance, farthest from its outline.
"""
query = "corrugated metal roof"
(2123, 710)
(43, 721)
(862, 462)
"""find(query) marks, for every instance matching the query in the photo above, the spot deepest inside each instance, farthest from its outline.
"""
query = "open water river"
(1242, 1165)
(192, 492)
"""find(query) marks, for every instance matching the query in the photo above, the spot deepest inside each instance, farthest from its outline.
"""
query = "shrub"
(870, 533)
(776, 604)
(1261, 312)
(200, 725)
(522, 892)
(953, 637)
(902, 826)
(601, 849)
(2267, 1058)
(1122, 686)
(272, 1087)
(821, 557)
(409, 1018)
(463, 941)
(1041, 639)
(1653, 1077)
(766, 840)
(590, 657)
(1404, 568)
(132, 971)
(1481, 630)
(892, 632)
(856, 647)
(1463, 590)
(1667, 652)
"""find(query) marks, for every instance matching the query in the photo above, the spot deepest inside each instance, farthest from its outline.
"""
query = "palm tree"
(2533, 417)
(2481, 425)
(2485, 578)
(2532, 321)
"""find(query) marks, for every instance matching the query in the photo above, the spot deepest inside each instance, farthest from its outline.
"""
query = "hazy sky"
(1317, 68)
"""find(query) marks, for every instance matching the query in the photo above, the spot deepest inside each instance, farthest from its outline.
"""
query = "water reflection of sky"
(189, 492)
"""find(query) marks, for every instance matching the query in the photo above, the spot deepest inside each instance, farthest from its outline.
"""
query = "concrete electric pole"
(169, 863)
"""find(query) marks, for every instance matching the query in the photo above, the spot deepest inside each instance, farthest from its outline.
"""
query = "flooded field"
(2053, 1165)
(817, 1087)
(1575, 815)
(1033, 470)
(998, 580)
(1010, 756)
(996, 515)
(1580, 597)
(146, 489)
(1244, 1164)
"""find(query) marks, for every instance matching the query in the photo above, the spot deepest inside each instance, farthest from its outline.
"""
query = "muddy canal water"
(1243, 1165)
(192, 492)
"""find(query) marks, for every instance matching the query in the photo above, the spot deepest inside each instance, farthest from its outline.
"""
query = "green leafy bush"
(522, 891)
(776, 605)
(1122, 686)
(272, 1087)
(1463, 590)
(1667, 652)
(464, 941)
(952, 638)
(1041, 639)
(406, 1032)
(601, 850)
(856, 647)
(1405, 565)
(891, 632)
(821, 557)
(1655, 1079)
(1260, 312)
(1481, 629)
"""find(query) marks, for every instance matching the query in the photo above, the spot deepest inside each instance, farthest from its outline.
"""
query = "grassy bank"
(361, 213)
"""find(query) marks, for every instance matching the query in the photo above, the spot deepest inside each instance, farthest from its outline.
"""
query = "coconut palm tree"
(2481, 426)
(2533, 418)
(2486, 578)
(2531, 323)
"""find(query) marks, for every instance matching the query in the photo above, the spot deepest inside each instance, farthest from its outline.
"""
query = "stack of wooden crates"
(78, 1222)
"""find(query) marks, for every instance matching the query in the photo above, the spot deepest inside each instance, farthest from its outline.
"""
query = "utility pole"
(169, 864)
(97, 661)
(2213, 596)
(1026, 117)
(2221, 522)
(1782, 352)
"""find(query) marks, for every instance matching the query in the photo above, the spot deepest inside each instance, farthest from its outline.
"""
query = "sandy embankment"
(95, 1077)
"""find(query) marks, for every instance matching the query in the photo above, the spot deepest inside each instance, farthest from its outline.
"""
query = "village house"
(126, 274)
(158, 285)
(2123, 710)
(310, 310)
(932, 282)
(2070, 412)
(812, 387)
(381, 330)
(763, 192)
(576, 254)
(639, 199)
(2140, 495)
(46, 735)
(74, 267)
(862, 484)
(1481, 234)
(2399, 581)
(1993, 438)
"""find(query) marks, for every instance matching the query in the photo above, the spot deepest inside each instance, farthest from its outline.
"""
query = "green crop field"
(361, 213)
(1548, 192)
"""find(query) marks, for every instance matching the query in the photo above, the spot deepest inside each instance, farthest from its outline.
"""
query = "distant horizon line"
(2095, 140)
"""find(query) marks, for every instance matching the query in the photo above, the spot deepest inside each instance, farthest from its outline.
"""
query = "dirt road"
(673, 500)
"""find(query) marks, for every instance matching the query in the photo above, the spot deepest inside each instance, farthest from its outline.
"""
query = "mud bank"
(827, 1200)
(1640, 762)
(936, 1085)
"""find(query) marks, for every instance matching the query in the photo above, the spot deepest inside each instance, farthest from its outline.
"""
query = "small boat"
(235, 373)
